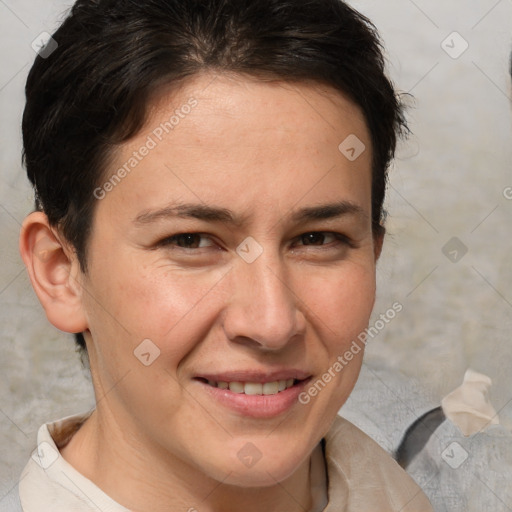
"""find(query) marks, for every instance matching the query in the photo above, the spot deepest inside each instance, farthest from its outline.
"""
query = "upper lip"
(254, 375)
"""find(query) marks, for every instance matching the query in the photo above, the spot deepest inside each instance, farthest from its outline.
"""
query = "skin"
(156, 440)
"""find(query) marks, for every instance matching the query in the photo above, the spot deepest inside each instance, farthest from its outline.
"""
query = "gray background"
(448, 181)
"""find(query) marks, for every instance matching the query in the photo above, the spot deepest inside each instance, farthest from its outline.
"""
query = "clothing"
(364, 478)
(361, 476)
(50, 484)
(385, 403)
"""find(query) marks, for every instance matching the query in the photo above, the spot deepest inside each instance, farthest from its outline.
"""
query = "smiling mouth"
(253, 388)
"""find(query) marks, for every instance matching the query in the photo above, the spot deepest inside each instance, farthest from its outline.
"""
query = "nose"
(263, 311)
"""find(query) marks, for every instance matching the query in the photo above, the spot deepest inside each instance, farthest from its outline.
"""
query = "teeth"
(254, 388)
(236, 387)
(270, 388)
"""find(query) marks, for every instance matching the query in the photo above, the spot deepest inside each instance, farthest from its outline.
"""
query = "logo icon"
(147, 352)
(454, 455)
(249, 250)
(44, 45)
(249, 455)
(454, 45)
(352, 147)
(455, 250)
(45, 455)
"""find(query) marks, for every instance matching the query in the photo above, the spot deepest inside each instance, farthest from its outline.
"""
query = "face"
(229, 266)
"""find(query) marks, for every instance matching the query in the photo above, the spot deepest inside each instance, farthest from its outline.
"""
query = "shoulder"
(49, 482)
(370, 477)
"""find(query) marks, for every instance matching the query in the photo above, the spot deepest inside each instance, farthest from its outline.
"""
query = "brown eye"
(321, 238)
(325, 239)
(313, 238)
(187, 241)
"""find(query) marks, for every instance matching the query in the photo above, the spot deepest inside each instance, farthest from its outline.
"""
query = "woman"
(209, 182)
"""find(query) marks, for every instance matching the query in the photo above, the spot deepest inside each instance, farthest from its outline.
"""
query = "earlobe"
(53, 270)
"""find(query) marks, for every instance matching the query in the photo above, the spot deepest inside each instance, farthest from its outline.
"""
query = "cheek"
(340, 308)
(172, 308)
(166, 298)
(175, 311)
(341, 301)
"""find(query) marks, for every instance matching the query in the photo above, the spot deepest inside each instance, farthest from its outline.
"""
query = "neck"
(139, 477)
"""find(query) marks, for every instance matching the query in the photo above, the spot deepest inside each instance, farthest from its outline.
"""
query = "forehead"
(245, 143)
(256, 108)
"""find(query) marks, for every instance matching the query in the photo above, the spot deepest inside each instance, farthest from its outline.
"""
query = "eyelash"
(343, 239)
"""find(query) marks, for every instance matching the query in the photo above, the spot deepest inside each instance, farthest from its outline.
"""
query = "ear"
(378, 241)
(55, 273)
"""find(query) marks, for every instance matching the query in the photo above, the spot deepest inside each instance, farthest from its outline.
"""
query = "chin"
(263, 466)
(264, 476)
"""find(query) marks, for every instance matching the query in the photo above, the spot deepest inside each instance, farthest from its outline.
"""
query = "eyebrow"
(216, 214)
(329, 211)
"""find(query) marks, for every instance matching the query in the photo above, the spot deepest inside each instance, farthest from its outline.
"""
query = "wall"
(450, 180)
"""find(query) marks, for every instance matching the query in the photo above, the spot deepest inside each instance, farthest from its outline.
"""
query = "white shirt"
(50, 483)
(351, 473)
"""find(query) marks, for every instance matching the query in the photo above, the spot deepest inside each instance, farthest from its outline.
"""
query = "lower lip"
(256, 406)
